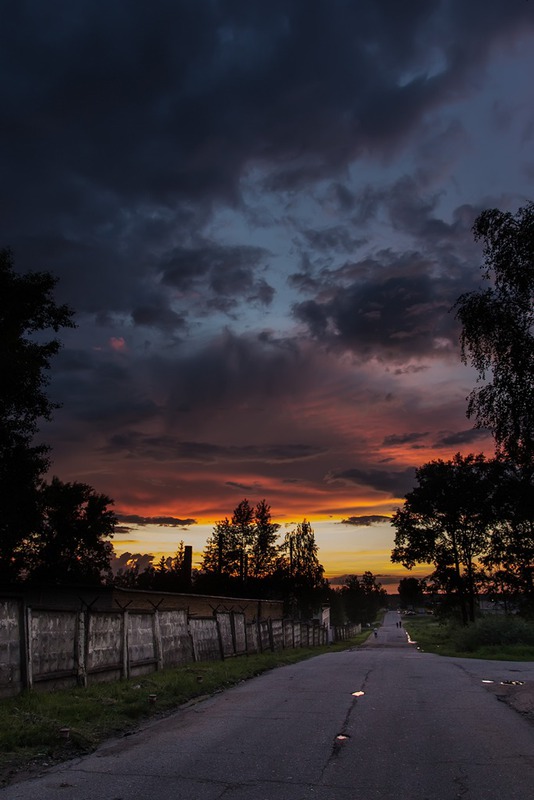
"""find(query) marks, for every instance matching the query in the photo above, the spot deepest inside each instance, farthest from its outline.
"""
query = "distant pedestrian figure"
(375, 632)
(396, 624)
(400, 624)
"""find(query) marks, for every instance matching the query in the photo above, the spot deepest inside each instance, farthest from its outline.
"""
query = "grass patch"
(498, 638)
(31, 723)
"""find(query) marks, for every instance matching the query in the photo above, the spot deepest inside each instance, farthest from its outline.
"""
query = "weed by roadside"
(499, 638)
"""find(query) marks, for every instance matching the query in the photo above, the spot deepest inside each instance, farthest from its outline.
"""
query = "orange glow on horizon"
(339, 506)
(344, 549)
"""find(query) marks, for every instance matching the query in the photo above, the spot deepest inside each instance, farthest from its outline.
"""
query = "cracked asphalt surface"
(425, 728)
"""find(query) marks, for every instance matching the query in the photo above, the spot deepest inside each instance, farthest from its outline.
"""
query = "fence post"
(158, 644)
(82, 646)
(232, 630)
(124, 646)
(193, 642)
(23, 639)
(219, 635)
(29, 647)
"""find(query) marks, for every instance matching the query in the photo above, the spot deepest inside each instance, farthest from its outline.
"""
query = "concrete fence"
(341, 633)
(49, 648)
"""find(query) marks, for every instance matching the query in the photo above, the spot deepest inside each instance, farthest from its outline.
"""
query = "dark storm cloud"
(365, 521)
(403, 438)
(123, 132)
(101, 387)
(410, 369)
(392, 305)
(226, 271)
(158, 314)
(165, 448)
(413, 211)
(462, 437)
(394, 483)
(336, 239)
(232, 370)
(399, 312)
(127, 392)
(142, 107)
(243, 487)
(170, 522)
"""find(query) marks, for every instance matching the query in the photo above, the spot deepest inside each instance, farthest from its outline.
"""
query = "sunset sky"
(261, 212)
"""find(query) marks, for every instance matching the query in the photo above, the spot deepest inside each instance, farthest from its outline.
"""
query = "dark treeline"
(472, 517)
(246, 556)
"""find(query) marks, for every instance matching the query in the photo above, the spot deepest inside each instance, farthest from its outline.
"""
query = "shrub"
(493, 631)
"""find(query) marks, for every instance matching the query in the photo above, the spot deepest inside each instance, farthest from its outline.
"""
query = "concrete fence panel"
(141, 644)
(288, 633)
(278, 634)
(10, 648)
(296, 634)
(103, 642)
(344, 632)
(53, 644)
(253, 639)
(224, 621)
(240, 633)
(205, 636)
(177, 647)
(265, 635)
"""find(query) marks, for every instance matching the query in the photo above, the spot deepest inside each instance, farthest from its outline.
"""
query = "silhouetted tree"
(306, 586)
(377, 596)
(264, 548)
(353, 600)
(338, 614)
(411, 591)
(27, 313)
(222, 554)
(498, 333)
(511, 545)
(498, 340)
(446, 521)
(358, 600)
(72, 543)
(504, 586)
(243, 529)
(242, 549)
(243, 555)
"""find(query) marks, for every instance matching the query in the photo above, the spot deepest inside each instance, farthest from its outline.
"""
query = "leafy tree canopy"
(411, 591)
(28, 314)
(498, 332)
(244, 547)
(72, 542)
(27, 309)
(447, 519)
(362, 598)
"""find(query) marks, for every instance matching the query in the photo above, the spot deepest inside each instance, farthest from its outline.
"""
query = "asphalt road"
(425, 728)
